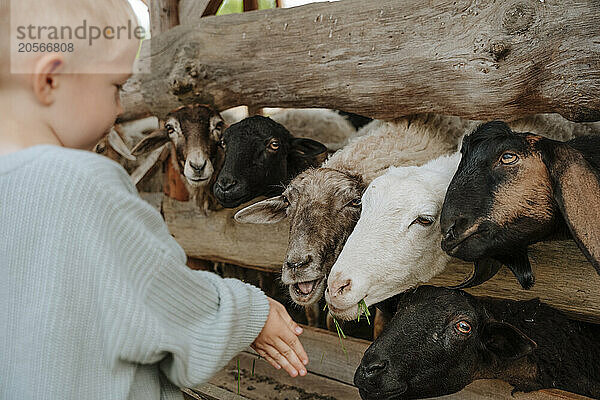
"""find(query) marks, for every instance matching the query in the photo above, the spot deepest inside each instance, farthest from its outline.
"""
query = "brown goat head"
(323, 206)
(194, 132)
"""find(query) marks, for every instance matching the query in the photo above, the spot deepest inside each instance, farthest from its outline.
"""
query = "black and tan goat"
(440, 340)
(515, 189)
(194, 132)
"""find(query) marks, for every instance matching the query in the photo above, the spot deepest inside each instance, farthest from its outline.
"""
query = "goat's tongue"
(306, 287)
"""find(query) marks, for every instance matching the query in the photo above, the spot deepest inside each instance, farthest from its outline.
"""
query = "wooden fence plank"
(564, 278)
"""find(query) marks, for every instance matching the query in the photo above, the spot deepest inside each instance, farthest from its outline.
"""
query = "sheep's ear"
(576, 187)
(506, 341)
(153, 141)
(268, 211)
(307, 152)
(117, 143)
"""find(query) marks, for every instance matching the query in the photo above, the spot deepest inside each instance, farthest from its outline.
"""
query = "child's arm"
(159, 310)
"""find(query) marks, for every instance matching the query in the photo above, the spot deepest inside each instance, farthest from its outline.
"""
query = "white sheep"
(396, 243)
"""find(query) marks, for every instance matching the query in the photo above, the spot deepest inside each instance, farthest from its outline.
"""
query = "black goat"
(261, 156)
(440, 340)
(515, 189)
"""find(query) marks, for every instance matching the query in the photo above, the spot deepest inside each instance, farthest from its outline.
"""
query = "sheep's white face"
(396, 243)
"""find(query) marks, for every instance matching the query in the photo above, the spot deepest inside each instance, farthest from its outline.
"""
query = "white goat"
(396, 243)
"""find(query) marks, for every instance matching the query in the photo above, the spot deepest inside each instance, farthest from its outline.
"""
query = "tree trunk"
(475, 59)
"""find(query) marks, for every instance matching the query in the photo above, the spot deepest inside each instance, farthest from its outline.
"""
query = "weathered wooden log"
(190, 10)
(475, 59)
(564, 278)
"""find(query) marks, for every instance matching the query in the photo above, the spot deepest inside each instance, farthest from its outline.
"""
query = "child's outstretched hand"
(278, 341)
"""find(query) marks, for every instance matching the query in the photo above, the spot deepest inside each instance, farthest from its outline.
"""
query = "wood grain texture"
(386, 58)
(164, 14)
(191, 10)
(564, 278)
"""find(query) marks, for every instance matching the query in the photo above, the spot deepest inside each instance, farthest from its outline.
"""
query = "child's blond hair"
(70, 28)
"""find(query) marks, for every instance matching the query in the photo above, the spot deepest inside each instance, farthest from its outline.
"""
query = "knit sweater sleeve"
(192, 322)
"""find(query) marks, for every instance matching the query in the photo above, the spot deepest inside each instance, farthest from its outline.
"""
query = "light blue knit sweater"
(95, 297)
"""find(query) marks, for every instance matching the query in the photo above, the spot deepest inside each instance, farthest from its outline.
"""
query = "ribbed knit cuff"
(258, 311)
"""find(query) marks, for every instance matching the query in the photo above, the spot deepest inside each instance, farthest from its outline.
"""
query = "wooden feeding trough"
(384, 59)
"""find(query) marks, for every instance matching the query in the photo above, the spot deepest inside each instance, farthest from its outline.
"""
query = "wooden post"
(164, 15)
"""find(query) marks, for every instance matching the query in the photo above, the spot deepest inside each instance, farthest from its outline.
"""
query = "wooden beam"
(163, 15)
(383, 59)
(564, 278)
(250, 5)
(191, 10)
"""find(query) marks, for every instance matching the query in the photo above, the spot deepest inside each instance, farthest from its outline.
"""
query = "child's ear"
(45, 77)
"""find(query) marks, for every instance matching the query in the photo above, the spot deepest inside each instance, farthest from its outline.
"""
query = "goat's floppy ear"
(153, 141)
(117, 143)
(307, 152)
(486, 268)
(576, 187)
(268, 211)
(483, 270)
(506, 341)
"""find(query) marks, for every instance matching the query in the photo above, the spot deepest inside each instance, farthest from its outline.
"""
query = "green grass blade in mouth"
(341, 334)
(363, 308)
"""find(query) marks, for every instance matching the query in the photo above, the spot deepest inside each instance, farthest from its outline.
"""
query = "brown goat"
(194, 132)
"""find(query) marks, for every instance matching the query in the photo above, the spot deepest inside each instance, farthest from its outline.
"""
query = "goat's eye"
(355, 203)
(222, 143)
(274, 144)
(509, 158)
(425, 221)
(463, 327)
(285, 200)
(169, 129)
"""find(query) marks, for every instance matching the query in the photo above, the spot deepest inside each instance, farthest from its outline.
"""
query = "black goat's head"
(261, 156)
(509, 191)
(194, 131)
(438, 342)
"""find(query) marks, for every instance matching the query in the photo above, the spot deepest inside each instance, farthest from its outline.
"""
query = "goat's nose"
(225, 184)
(338, 287)
(298, 263)
(196, 167)
(374, 369)
(450, 234)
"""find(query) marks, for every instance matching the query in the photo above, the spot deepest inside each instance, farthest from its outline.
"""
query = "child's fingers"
(269, 359)
(290, 355)
(293, 342)
(281, 360)
(297, 329)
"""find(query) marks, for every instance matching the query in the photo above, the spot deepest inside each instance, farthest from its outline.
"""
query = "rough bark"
(385, 58)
